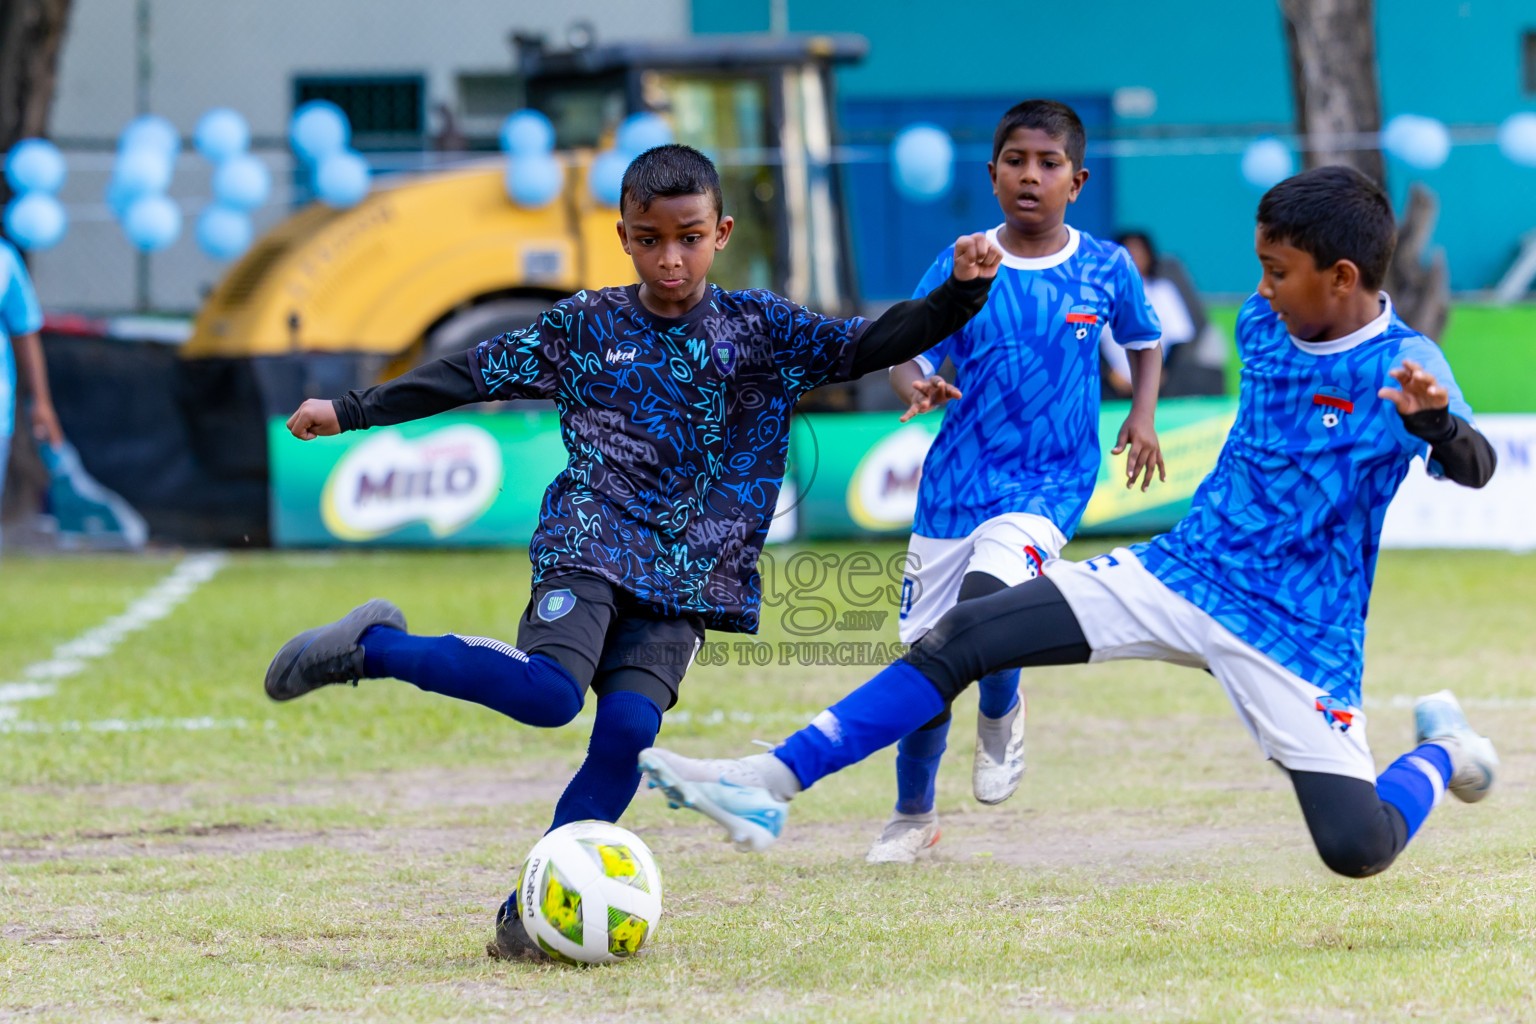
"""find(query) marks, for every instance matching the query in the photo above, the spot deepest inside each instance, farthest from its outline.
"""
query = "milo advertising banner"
(458, 478)
(858, 473)
(478, 478)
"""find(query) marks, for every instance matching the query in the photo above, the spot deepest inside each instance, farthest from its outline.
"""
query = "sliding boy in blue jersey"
(1265, 583)
(675, 399)
(1017, 457)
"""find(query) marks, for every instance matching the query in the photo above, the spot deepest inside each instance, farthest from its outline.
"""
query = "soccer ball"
(589, 893)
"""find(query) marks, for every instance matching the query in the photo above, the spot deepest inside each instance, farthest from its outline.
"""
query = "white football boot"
(904, 837)
(746, 795)
(999, 765)
(1438, 719)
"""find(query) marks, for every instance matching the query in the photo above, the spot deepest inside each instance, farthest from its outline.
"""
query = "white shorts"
(1126, 612)
(1012, 547)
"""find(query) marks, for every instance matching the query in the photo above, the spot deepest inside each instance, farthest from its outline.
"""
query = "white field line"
(14, 726)
(40, 678)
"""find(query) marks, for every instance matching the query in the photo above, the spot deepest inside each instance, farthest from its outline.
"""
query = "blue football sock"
(917, 768)
(999, 692)
(1415, 782)
(606, 782)
(895, 703)
(529, 688)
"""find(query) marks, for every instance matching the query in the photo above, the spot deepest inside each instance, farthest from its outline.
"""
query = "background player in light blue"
(20, 320)
(1266, 583)
(1016, 459)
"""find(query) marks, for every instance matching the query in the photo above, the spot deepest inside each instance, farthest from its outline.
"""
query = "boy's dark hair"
(1333, 213)
(1057, 120)
(670, 170)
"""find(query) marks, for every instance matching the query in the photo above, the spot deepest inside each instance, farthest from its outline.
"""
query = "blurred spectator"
(1194, 349)
(20, 320)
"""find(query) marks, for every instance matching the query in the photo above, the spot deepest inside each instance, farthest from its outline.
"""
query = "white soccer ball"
(590, 893)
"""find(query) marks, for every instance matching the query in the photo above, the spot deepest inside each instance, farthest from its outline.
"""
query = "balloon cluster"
(241, 183)
(35, 218)
(1266, 162)
(146, 160)
(922, 162)
(636, 134)
(320, 135)
(535, 175)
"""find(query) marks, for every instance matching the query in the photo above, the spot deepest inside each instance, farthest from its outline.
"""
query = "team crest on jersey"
(1334, 403)
(1036, 562)
(1083, 316)
(723, 355)
(556, 604)
(1336, 713)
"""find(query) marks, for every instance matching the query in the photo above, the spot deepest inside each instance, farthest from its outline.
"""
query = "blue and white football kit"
(1007, 479)
(1267, 580)
(19, 314)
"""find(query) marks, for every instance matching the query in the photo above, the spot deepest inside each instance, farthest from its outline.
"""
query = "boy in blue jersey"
(1006, 481)
(675, 399)
(1265, 583)
(21, 318)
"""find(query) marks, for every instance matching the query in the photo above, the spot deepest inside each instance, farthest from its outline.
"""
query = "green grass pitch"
(173, 847)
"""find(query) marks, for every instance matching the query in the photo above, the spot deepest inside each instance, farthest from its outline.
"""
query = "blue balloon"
(142, 171)
(220, 134)
(341, 179)
(150, 131)
(640, 132)
(605, 181)
(526, 133)
(152, 222)
(923, 162)
(1267, 162)
(242, 181)
(535, 180)
(35, 165)
(224, 232)
(1418, 141)
(319, 129)
(35, 221)
(1517, 138)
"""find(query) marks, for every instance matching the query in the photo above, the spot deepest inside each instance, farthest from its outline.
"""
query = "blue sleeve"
(19, 312)
(937, 274)
(812, 349)
(1251, 320)
(1133, 322)
(525, 363)
(1428, 355)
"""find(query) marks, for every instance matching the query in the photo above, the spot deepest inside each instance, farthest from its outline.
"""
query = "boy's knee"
(1355, 854)
(563, 696)
(626, 722)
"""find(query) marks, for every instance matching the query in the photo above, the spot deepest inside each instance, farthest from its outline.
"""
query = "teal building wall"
(1219, 68)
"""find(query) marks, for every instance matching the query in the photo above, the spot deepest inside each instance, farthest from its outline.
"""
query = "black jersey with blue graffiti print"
(677, 430)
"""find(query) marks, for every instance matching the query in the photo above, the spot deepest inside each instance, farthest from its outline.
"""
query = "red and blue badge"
(1036, 562)
(1334, 404)
(1336, 713)
(1084, 317)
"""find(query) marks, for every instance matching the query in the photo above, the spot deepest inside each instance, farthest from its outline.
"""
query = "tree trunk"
(31, 32)
(1332, 46)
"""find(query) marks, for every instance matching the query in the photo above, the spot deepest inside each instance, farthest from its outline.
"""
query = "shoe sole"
(748, 836)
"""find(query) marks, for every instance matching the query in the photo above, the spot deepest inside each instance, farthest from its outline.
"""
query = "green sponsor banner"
(858, 473)
(454, 479)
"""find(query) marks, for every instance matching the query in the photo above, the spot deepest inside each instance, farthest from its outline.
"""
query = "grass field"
(175, 847)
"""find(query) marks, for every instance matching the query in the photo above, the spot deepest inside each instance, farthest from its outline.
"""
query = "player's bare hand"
(315, 418)
(1420, 390)
(45, 423)
(1137, 436)
(929, 394)
(976, 256)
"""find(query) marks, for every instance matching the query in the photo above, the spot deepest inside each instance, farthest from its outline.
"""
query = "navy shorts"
(607, 640)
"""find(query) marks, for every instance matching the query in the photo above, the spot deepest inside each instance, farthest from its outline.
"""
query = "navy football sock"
(998, 692)
(917, 768)
(528, 688)
(606, 782)
(891, 705)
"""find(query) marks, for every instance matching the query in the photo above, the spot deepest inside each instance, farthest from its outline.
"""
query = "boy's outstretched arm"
(910, 328)
(1464, 455)
(1138, 432)
(431, 388)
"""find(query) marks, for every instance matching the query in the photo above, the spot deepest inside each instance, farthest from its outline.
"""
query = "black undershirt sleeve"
(431, 388)
(910, 328)
(1464, 455)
